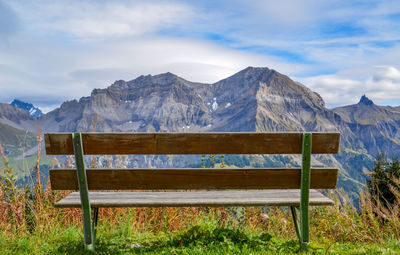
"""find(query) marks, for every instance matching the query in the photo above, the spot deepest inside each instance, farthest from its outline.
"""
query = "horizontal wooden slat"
(198, 198)
(191, 143)
(197, 178)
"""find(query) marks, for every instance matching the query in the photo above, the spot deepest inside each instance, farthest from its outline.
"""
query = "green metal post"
(305, 191)
(83, 190)
(295, 221)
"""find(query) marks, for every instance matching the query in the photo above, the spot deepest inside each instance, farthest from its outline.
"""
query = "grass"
(207, 237)
(29, 224)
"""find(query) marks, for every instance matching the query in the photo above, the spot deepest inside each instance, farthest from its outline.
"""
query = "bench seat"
(279, 197)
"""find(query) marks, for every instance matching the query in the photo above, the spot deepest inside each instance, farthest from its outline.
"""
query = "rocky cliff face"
(158, 103)
(255, 99)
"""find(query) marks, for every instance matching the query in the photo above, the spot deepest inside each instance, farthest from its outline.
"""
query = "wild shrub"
(383, 185)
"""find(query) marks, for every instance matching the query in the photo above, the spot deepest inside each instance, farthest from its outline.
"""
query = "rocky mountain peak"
(164, 78)
(252, 72)
(252, 69)
(145, 80)
(365, 100)
(32, 110)
(166, 75)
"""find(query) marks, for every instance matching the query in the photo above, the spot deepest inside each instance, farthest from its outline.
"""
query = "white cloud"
(64, 49)
(50, 74)
(88, 19)
(193, 59)
(389, 74)
(381, 84)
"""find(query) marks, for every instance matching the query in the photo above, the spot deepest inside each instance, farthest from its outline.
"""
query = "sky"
(52, 51)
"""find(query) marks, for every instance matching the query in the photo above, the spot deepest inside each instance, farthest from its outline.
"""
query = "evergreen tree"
(384, 178)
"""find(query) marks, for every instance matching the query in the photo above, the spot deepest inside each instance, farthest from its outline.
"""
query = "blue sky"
(53, 51)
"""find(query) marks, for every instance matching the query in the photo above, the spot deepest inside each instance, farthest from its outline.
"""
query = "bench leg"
(305, 192)
(89, 230)
(295, 221)
(299, 232)
(88, 227)
(94, 224)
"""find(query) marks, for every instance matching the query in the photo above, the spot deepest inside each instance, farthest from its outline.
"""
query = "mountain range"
(252, 100)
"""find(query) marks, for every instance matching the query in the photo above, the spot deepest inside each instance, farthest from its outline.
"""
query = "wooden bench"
(227, 187)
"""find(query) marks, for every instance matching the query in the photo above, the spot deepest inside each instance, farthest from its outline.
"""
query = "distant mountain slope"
(16, 142)
(16, 117)
(377, 127)
(15, 137)
(32, 110)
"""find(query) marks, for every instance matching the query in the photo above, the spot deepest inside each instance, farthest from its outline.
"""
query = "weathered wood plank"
(101, 143)
(191, 143)
(197, 178)
(198, 198)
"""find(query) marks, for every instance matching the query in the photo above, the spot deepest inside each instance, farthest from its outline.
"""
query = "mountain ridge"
(256, 99)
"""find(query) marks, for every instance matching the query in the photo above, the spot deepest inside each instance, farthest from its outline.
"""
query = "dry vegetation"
(26, 212)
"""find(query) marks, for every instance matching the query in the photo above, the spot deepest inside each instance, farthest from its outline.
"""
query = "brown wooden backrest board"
(191, 143)
(194, 178)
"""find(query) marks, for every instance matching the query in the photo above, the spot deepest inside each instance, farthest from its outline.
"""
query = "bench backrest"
(193, 143)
